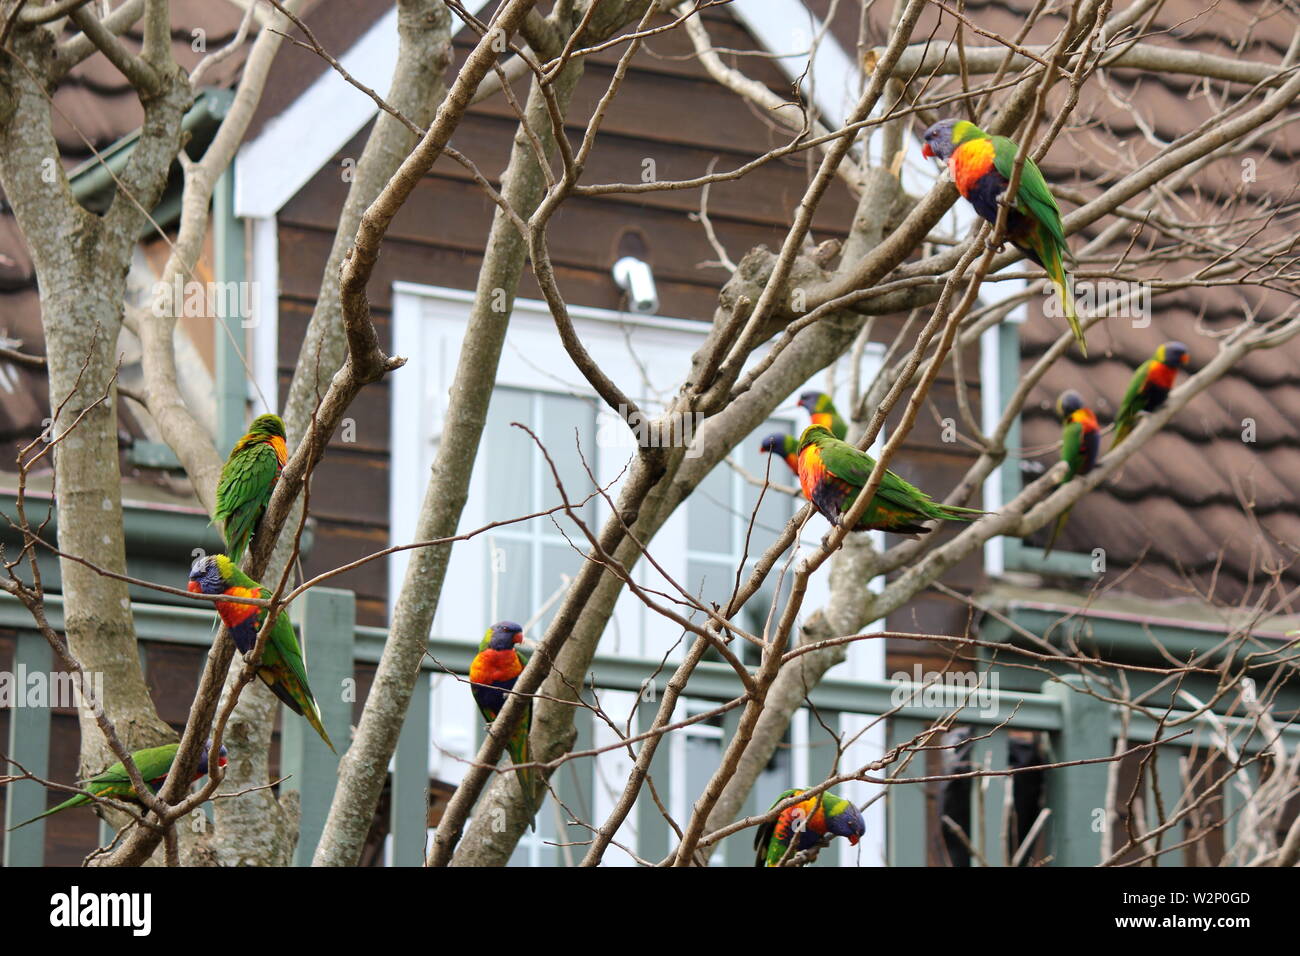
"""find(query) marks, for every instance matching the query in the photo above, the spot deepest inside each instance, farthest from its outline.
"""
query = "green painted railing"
(1077, 726)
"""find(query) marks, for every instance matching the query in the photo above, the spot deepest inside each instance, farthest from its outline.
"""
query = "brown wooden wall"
(668, 111)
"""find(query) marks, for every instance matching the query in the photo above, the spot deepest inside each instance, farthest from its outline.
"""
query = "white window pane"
(508, 454)
(512, 566)
(709, 513)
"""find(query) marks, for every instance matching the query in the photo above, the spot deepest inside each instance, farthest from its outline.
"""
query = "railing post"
(905, 806)
(29, 744)
(575, 783)
(326, 621)
(410, 808)
(1077, 795)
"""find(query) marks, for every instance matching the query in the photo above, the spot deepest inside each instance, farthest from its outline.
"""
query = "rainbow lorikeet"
(787, 446)
(247, 479)
(824, 814)
(154, 763)
(1149, 387)
(282, 669)
(981, 167)
(1080, 447)
(492, 673)
(821, 411)
(832, 473)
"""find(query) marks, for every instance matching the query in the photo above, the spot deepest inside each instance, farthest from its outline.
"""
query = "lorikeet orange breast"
(493, 671)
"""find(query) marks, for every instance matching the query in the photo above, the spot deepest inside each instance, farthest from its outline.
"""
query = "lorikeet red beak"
(926, 151)
(853, 840)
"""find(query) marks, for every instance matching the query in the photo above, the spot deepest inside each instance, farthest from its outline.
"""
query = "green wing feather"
(854, 467)
(1072, 455)
(1034, 198)
(284, 671)
(243, 493)
(1126, 418)
(1072, 448)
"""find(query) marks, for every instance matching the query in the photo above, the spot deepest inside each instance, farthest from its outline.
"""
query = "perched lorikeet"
(1149, 387)
(154, 763)
(787, 446)
(282, 668)
(820, 815)
(247, 480)
(832, 473)
(981, 167)
(1080, 447)
(821, 411)
(494, 670)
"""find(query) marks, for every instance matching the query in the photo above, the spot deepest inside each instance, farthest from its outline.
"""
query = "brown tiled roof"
(95, 107)
(1179, 507)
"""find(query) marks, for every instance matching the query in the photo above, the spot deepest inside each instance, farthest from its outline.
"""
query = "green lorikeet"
(1149, 387)
(494, 670)
(821, 411)
(824, 814)
(247, 480)
(1080, 447)
(832, 473)
(787, 446)
(282, 669)
(981, 167)
(154, 763)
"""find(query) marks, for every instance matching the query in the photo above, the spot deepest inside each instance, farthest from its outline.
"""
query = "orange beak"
(926, 151)
(853, 841)
(192, 587)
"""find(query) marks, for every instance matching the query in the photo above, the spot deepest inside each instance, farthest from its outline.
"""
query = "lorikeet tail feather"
(1056, 532)
(955, 513)
(308, 711)
(65, 805)
(519, 754)
(1055, 269)
(1120, 434)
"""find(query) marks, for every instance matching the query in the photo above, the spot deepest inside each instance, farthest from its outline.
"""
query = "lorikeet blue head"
(269, 425)
(202, 769)
(946, 135)
(1069, 403)
(210, 574)
(778, 443)
(1172, 354)
(843, 818)
(504, 635)
(813, 402)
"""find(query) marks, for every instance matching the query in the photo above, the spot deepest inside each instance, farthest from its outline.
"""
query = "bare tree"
(902, 277)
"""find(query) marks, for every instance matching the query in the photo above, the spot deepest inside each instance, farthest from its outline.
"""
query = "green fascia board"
(1016, 555)
(94, 181)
